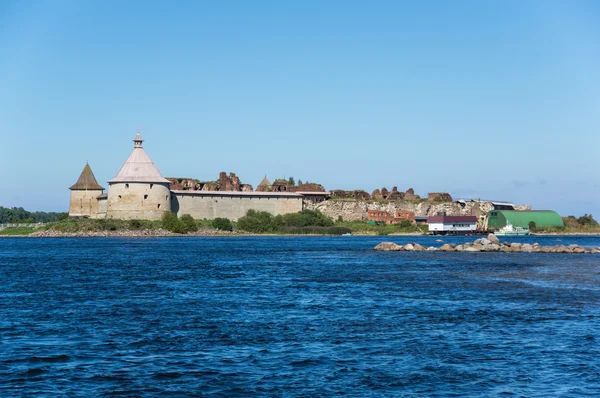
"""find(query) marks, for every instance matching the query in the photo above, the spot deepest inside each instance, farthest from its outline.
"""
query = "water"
(308, 316)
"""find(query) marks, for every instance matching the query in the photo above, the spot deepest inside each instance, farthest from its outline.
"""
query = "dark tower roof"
(86, 181)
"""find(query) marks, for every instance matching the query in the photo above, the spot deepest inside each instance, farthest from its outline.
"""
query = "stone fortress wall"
(232, 205)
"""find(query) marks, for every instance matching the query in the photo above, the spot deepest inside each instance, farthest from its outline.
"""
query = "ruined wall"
(84, 203)
(138, 201)
(439, 197)
(211, 206)
(357, 210)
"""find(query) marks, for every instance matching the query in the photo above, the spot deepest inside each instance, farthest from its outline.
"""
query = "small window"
(167, 197)
(151, 185)
(126, 185)
(159, 206)
(119, 196)
(145, 196)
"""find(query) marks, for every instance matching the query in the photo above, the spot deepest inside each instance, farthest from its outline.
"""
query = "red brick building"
(380, 216)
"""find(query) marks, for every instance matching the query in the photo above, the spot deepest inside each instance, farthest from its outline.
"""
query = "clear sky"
(485, 99)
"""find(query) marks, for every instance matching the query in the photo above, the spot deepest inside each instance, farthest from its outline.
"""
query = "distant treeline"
(20, 215)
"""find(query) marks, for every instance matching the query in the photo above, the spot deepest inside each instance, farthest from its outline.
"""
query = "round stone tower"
(139, 191)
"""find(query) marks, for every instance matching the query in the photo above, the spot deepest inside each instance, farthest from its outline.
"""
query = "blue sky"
(491, 99)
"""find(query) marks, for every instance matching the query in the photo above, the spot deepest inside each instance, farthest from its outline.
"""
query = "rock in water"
(419, 248)
(447, 248)
(388, 247)
(493, 239)
(409, 247)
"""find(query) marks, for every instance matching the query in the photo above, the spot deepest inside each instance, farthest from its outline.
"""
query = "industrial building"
(497, 219)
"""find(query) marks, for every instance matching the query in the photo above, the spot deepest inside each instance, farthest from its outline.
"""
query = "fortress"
(139, 191)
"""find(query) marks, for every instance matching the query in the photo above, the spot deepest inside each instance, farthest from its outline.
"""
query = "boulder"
(578, 250)
(492, 247)
(485, 241)
(473, 249)
(409, 247)
(447, 248)
(594, 251)
(419, 248)
(527, 248)
(460, 248)
(431, 249)
(493, 239)
(388, 247)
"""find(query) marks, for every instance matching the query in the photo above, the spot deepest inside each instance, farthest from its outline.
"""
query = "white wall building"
(452, 224)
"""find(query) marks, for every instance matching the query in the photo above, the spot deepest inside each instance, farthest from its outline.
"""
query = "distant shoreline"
(212, 233)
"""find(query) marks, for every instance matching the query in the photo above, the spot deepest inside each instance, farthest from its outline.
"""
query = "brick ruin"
(439, 197)
(225, 182)
(231, 182)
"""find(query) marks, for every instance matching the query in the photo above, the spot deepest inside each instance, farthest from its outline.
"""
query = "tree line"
(18, 215)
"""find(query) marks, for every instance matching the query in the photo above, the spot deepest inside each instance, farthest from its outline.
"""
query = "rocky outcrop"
(488, 245)
(376, 195)
(357, 210)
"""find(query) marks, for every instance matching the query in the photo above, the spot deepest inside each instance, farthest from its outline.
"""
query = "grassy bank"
(363, 228)
(17, 231)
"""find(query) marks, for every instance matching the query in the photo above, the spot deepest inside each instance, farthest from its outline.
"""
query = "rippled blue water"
(291, 316)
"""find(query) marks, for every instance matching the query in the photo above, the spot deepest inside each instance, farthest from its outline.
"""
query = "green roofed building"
(542, 218)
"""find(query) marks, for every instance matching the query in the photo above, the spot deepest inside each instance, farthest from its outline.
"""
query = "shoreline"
(161, 233)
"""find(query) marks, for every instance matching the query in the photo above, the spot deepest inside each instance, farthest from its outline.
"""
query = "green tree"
(171, 223)
(256, 222)
(587, 219)
(532, 225)
(188, 224)
(222, 224)
(291, 181)
(299, 182)
(405, 224)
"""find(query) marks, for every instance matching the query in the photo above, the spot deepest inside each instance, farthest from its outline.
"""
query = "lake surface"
(290, 316)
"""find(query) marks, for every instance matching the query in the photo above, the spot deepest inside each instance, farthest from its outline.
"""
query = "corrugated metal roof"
(139, 167)
(87, 181)
(445, 219)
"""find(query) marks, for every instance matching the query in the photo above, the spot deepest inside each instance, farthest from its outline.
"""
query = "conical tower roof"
(265, 182)
(139, 167)
(87, 181)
